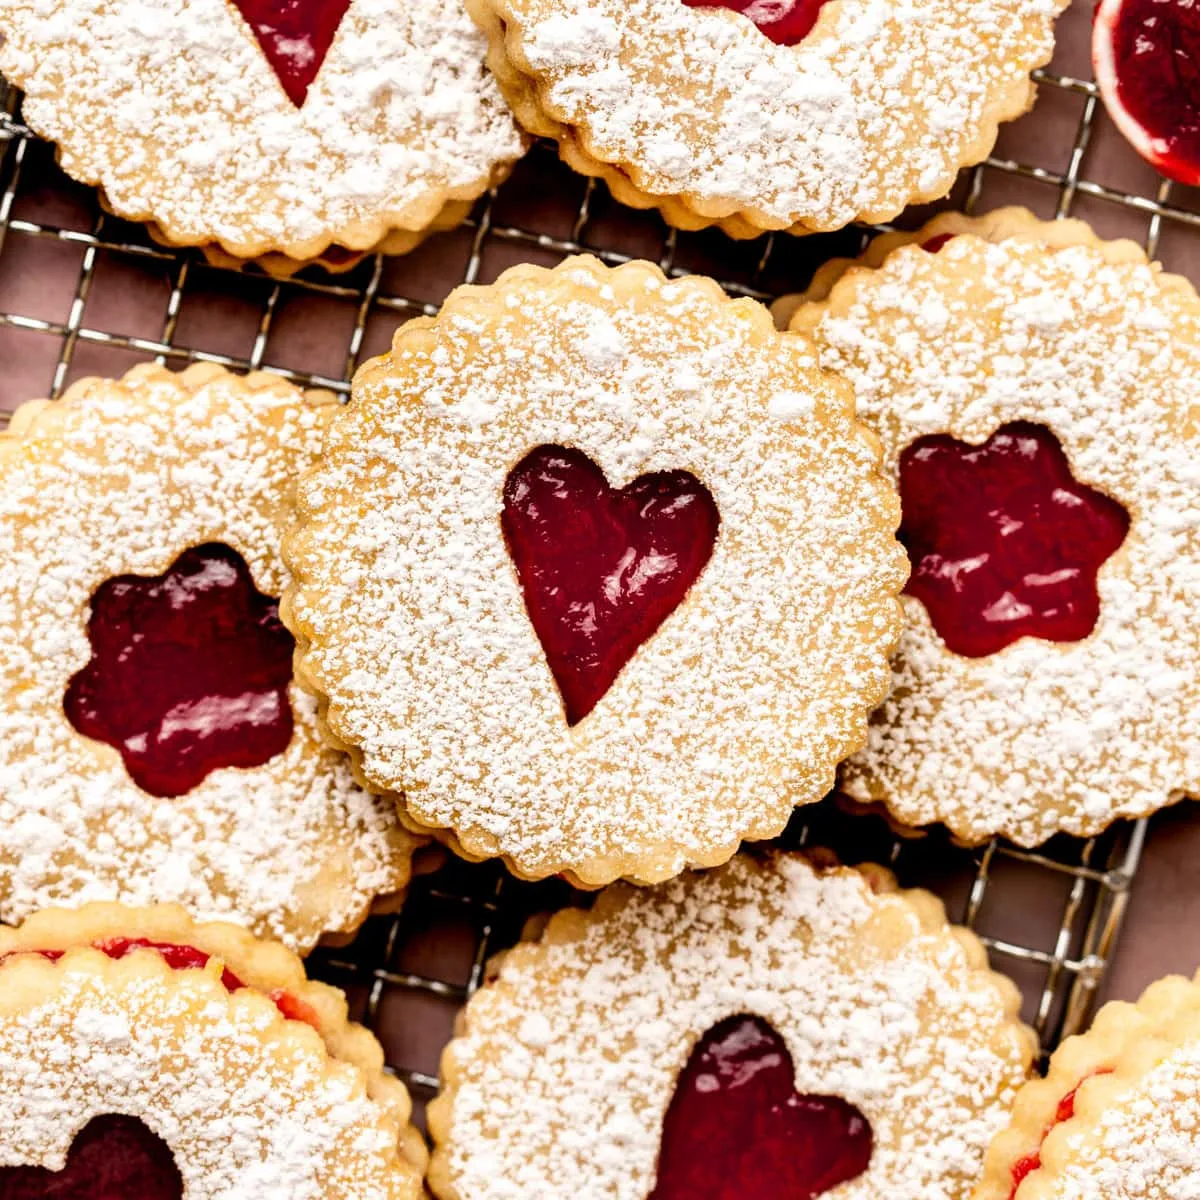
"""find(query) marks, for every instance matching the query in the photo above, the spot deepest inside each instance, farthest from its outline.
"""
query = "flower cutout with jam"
(1033, 390)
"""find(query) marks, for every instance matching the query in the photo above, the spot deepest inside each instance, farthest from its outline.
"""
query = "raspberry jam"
(1004, 542)
(1147, 56)
(112, 1158)
(189, 672)
(736, 1127)
(934, 244)
(188, 958)
(601, 568)
(785, 22)
(295, 36)
(1031, 1162)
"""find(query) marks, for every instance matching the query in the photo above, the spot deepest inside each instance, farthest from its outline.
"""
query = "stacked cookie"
(157, 747)
(800, 115)
(146, 1055)
(286, 134)
(597, 574)
(1028, 382)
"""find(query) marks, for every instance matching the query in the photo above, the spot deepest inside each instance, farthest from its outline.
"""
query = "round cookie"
(166, 1058)
(155, 745)
(598, 572)
(1115, 1117)
(296, 132)
(787, 1027)
(867, 106)
(1030, 386)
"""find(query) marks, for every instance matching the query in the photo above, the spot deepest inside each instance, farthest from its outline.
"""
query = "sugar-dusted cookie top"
(598, 571)
(1032, 391)
(144, 1054)
(784, 115)
(787, 1028)
(155, 745)
(1116, 1117)
(264, 127)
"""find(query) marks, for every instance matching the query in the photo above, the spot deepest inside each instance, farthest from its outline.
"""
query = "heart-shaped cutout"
(737, 1128)
(1005, 543)
(601, 568)
(189, 672)
(112, 1158)
(295, 36)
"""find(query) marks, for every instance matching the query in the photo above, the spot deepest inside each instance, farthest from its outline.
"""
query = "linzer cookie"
(797, 115)
(783, 1028)
(598, 571)
(291, 131)
(1033, 395)
(143, 1054)
(155, 746)
(1115, 1118)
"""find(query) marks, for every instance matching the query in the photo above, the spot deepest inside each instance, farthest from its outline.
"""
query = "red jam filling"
(934, 244)
(1156, 61)
(1004, 542)
(1031, 1162)
(737, 1128)
(112, 1158)
(188, 958)
(601, 568)
(785, 22)
(189, 672)
(295, 36)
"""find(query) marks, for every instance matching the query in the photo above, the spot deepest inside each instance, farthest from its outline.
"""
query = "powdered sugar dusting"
(412, 622)
(1145, 1145)
(171, 106)
(119, 479)
(878, 107)
(247, 1107)
(875, 1005)
(1041, 736)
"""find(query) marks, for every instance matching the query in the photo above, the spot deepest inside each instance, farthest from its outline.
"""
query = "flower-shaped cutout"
(1004, 542)
(189, 672)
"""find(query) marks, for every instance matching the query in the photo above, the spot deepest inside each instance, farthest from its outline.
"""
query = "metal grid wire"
(1050, 918)
(1055, 941)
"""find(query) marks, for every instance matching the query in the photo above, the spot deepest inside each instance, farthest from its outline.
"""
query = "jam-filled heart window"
(737, 1128)
(189, 672)
(294, 36)
(601, 568)
(1005, 543)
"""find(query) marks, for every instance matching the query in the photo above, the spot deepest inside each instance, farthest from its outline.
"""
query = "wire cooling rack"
(84, 293)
